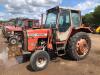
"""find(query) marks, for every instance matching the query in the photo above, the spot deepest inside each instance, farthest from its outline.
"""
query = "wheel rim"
(13, 41)
(82, 47)
(41, 62)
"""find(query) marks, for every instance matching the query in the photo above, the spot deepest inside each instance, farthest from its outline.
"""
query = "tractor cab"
(27, 23)
(30, 23)
(60, 17)
(62, 20)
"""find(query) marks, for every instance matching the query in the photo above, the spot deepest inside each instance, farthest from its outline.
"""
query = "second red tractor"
(14, 32)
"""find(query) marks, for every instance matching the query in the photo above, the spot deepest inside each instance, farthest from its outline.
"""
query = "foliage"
(92, 18)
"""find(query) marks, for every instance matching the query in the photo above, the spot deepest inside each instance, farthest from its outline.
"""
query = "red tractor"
(62, 34)
(14, 32)
(6, 25)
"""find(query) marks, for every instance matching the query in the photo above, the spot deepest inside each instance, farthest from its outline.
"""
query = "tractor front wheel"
(79, 46)
(39, 60)
(13, 41)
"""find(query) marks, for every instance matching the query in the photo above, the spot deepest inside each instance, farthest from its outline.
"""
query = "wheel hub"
(41, 61)
(82, 47)
(13, 41)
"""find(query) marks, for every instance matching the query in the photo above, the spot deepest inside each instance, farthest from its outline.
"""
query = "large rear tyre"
(79, 46)
(39, 60)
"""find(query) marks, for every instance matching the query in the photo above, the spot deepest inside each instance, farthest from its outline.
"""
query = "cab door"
(64, 24)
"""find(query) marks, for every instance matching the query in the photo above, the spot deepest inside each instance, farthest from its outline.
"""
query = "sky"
(33, 8)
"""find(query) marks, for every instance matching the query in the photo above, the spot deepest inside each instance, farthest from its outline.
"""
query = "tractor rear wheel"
(39, 60)
(79, 46)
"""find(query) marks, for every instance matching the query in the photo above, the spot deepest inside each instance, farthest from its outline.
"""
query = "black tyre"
(39, 60)
(13, 41)
(79, 46)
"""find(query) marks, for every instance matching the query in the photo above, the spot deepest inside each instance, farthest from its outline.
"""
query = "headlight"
(12, 32)
(9, 32)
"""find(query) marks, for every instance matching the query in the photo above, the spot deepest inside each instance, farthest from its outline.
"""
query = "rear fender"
(74, 31)
(83, 29)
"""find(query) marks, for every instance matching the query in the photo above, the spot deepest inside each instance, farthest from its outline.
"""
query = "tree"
(88, 18)
(96, 15)
(93, 18)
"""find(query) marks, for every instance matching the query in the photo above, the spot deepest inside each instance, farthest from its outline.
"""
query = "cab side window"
(75, 18)
(30, 24)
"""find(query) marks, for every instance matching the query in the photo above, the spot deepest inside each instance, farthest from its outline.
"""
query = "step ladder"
(60, 48)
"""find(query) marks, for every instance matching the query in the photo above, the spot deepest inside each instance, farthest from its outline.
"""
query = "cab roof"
(66, 8)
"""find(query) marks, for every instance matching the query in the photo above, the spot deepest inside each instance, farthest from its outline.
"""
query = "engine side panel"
(33, 36)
